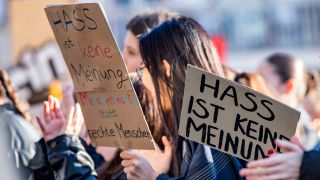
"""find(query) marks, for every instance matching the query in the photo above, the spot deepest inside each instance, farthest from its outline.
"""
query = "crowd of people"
(158, 47)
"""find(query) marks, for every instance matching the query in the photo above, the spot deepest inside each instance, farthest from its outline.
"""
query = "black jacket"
(310, 166)
(69, 159)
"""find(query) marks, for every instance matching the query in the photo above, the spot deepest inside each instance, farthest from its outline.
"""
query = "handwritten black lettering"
(265, 103)
(79, 19)
(101, 133)
(57, 21)
(131, 133)
(202, 128)
(203, 85)
(232, 95)
(85, 11)
(216, 112)
(96, 74)
(254, 104)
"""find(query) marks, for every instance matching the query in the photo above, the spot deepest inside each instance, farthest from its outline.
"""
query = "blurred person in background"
(25, 149)
(285, 77)
(312, 98)
(312, 95)
(138, 25)
(229, 73)
(253, 81)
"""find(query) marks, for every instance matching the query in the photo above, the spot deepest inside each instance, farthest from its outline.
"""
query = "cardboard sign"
(110, 106)
(233, 118)
(88, 47)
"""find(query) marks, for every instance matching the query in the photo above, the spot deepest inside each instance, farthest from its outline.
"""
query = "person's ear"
(167, 68)
(289, 85)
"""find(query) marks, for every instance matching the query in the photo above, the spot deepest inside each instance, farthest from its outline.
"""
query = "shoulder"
(20, 134)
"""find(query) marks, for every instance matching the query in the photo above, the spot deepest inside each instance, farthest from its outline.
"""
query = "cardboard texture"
(233, 118)
(110, 106)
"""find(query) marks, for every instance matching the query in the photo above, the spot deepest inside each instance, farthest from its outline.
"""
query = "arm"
(66, 154)
(69, 159)
(40, 163)
(95, 156)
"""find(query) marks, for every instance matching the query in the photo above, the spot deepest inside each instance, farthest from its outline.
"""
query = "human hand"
(159, 161)
(54, 122)
(136, 167)
(278, 166)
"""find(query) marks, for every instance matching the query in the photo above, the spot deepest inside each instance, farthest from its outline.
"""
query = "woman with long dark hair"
(166, 51)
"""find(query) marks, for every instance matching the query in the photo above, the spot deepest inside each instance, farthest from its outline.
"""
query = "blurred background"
(245, 33)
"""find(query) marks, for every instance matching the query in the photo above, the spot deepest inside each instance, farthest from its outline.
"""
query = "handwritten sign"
(110, 106)
(232, 118)
(88, 46)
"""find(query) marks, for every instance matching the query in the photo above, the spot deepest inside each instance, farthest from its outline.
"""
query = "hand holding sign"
(137, 163)
(278, 166)
(137, 167)
(158, 159)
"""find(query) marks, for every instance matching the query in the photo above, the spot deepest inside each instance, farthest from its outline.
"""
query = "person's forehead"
(266, 68)
(267, 71)
(131, 40)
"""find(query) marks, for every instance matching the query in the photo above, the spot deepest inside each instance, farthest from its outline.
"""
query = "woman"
(166, 51)
(285, 77)
(253, 81)
(137, 26)
(25, 150)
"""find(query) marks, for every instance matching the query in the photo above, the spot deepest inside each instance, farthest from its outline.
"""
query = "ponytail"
(11, 94)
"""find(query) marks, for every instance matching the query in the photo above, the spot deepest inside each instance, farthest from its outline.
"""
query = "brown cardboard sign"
(88, 47)
(233, 118)
(108, 101)
(114, 119)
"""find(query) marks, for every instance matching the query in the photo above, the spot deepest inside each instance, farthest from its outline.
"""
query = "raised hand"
(56, 124)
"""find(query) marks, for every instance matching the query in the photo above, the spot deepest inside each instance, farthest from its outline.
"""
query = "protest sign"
(109, 104)
(231, 117)
(88, 47)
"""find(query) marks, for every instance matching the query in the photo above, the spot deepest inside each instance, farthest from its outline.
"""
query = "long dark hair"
(180, 41)
(138, 25)
(9, 92)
